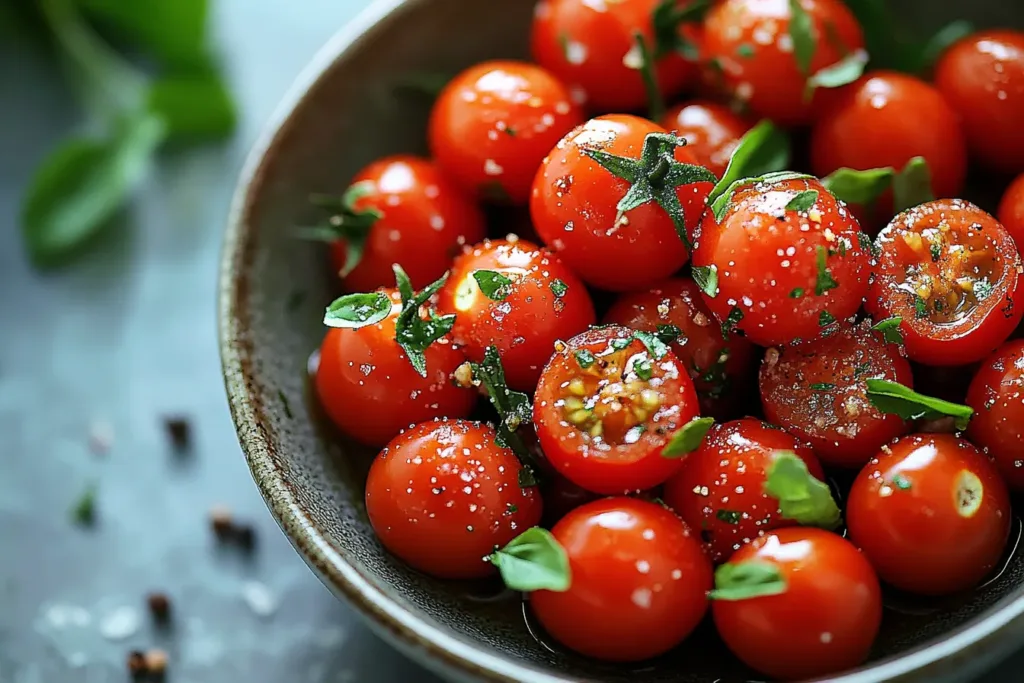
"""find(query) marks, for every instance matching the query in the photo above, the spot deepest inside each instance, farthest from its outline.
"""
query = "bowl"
(346, 109)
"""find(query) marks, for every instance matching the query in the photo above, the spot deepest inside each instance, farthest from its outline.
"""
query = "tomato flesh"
(997, 396)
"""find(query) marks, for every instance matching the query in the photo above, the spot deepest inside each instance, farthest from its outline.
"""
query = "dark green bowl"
(343, 112)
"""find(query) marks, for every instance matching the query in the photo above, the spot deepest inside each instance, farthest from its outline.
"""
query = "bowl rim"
(445, 652)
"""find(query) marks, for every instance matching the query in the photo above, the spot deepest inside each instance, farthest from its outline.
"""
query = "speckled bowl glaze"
(342, 113)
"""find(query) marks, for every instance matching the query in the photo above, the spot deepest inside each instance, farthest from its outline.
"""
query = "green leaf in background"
(195, 106)
(859, 187)
(173, 31)
(912, 186)
(801, 30)
(943, 39)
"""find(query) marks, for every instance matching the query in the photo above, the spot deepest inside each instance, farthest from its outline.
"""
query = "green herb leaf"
(825, 282)
(657, 348)
(83, 511)
(859, 187)
(493, 284)
(533, 561)
(890, 329)
(763, 150)
(688, 438)
(896, 399)
(643, 369)
(559, 288)
(802, 498)
(706, 278)
(983, 289)
(943, 39)
(913, 185)
(822, 386)
(803, 201)
(668, 18)
(173, 31)
(797, 293)
(920, 307)
(729, 516)
(745, 51)
(649, 75)
(826, 319)
(731, 321)
(353, 311)
(845, 71)
(668, 334)
(585, 359)
(801, 30)
(746, 580)
(413, 333)
(513, 407)
(901, 482)
(196, 106)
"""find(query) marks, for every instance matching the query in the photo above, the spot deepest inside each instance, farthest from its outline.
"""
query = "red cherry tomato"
(1011, 211)
(952, 273)
(818, 391)
(997, 396)
(717, 366)
(720, 489)
(606, 407)
(442, 496)
(369, 389)
(494, 122)
(573, 209)
(982, 78)
(750, 42)
(639, 581)
(544, 303)
(783, 273)
(712, 131)
(823, 623)
(591, 45)
(931, 513)
(424, 219)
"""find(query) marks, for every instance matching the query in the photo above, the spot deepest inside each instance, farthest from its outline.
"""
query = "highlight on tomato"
(997, 397)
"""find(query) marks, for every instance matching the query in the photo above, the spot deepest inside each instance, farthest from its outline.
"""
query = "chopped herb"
(825, 281)
(746, 51)
(796, 293)
(734, 318)
(412, 332)
(920, 307)
(285, 404)
(890, 329)
(533, 560)
(643, 370)
(801, 30)
(83, 512)
(493, 284)
(563, 42)
(526, 479)
(706, 278)
(896, 399)
(729, 516)
(668, 334)
(826, 319)
(861, 369)
(559, 288)
(822, 387)
(901, 482)
(509, 131)
(868, 246)
(936, 251)
(584, 358)
(983, 289)
(512, 508)
(657, 348)
(688, 438)
(746, 580)
(715, 377)
(353, 311)
(803, 201)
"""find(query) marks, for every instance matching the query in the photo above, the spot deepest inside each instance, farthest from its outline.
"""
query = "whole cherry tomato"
(931, 513)
(534, 301)
(787, 260)
(982, 78)
(494, 122)
(607, 406)
(1011, 211)
(639, 581)
(997, 396)
(713, 131)
(442, 495)
(951, 272)
(720, 488)
(823, 621)
(575, 198)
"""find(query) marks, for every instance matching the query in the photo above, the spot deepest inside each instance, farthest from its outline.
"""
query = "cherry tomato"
(606, 407)
(783, 274)
(716, 366)
(931, 513)
(1011, 211)
(712, 130)
(952, 273)
(997, 396)
(982, 78)
(750, 43)
(823, 623)
(543, 303)
(494, 122)
(887, 119)
(591, 45)
(639, 581)
(369, 389)
(424, 219)
(574, 200)
(442, 496)
(818, 391)
(720, 488)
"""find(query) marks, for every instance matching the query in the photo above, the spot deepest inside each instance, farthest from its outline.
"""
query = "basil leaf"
(649, 76)
(558, 288)
(890, 329)
(493, 284)
(825, 319)
(412, 332)
(912, 186)
(353, 311)
(859, 187)
(173, 31)
(802, 498)
(706, 278)
(669, 334)
(896, 399)
(195, 106)
(746, 580)
(514, 408)
(688, 438)
(762, 150)
(667, 19)
(585, 359)
(824, 282)
(943, 39)
(729, 516)
(731, 321)
(532, 561)
(657, 348)
(801, 30)
(345, 222)
(845, 71)
(803, 201)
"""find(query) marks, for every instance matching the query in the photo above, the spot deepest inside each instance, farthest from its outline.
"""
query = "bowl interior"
(361, 106)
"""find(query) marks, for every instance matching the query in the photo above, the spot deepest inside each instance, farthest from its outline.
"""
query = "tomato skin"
(1011, 211)
(469, 127)
(720, 488)
(904, 514)
(997, 396)
(369, 389)
(818, 391)
(699, 348)
(769, 81)
(982, 78)
(525, 325)
(626, 456)
(573, 209)
(418, 504)
(639, 581)
(904, 267)
(712, 130)
(426, 218)
(764, 255)
(826, 620)
(585, 43)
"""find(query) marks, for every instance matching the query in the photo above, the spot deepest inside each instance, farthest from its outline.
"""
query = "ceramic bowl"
(346, 109)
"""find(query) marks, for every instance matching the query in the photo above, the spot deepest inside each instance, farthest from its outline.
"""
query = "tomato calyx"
(802, 498)
(894, 398)
(533, 560)
(345, 222)
(746, 580)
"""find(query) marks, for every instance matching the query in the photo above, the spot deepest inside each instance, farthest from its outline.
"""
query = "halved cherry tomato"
(818, 391)
(369, 389)
(639, 581)
(424, 219)
(823, 622)
(982, 78)
(931, 513)
(544, 302)
(442, 496)
(1011, 211)
(494, 122)
(712, 130)
(606, 407)
(782, 273)
(953, 274)
(997, 396)
(574, 208)
(720, 488)
(718, 367)
(750, 44)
